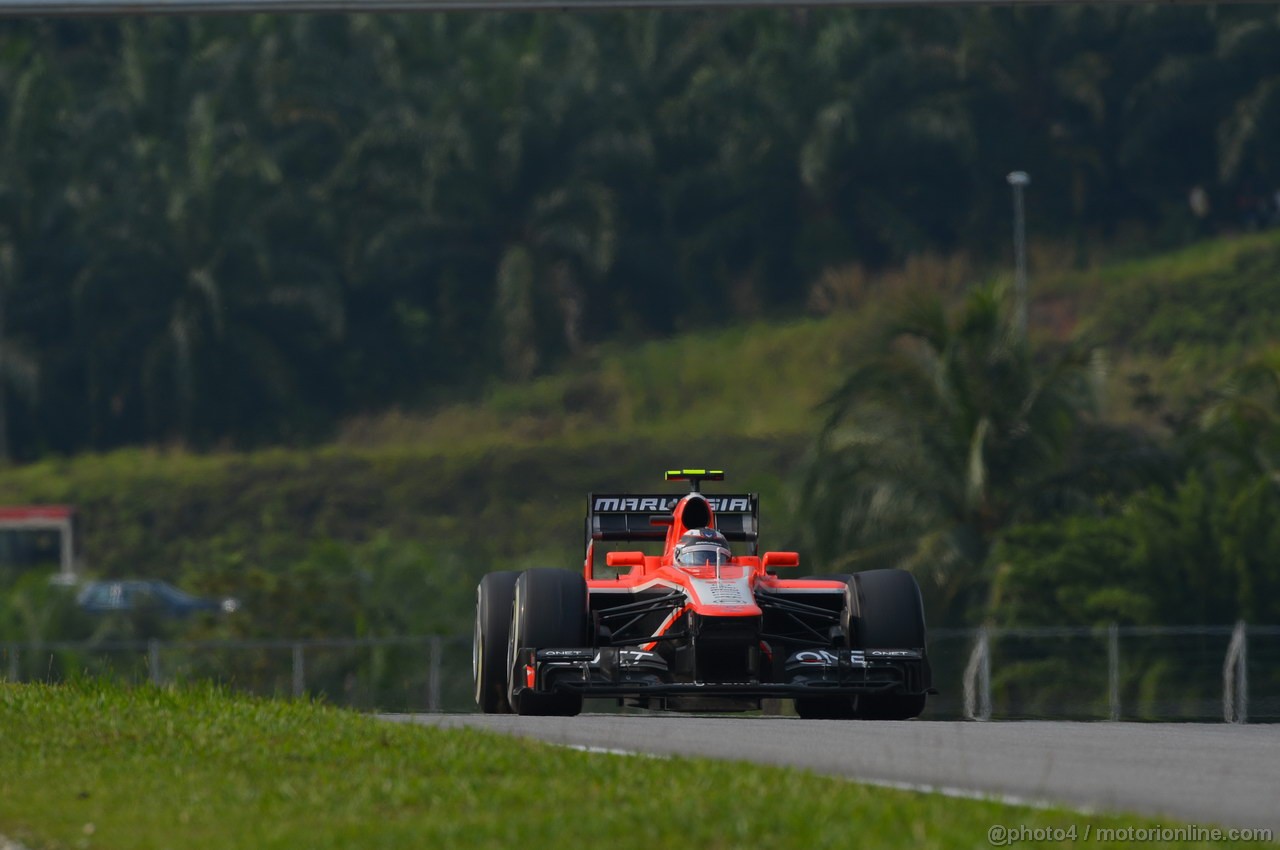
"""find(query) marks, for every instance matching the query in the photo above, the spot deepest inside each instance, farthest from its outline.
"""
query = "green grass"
(92, 765)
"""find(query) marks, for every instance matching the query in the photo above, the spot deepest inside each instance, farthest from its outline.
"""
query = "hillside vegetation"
(1173, 324)
(425, 503)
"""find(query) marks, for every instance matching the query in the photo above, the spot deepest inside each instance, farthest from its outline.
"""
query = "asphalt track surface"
(1200, 774)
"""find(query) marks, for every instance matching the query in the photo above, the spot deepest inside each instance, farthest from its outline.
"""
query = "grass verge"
(93, 765)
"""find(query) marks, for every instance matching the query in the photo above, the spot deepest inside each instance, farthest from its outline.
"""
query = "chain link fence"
(429, 673)
(1170, 673)
(1150, 673)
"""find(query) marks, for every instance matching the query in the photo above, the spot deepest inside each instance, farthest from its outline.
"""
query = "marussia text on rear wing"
(629, 518)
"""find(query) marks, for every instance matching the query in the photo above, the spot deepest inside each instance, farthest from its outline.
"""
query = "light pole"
(1019, 180)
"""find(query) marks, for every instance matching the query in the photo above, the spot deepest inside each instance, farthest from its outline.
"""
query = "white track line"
(914, 787)
(970, 794)
(607, 751)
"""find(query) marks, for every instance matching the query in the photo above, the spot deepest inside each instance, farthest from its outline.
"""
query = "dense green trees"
(956, 451)
(238, 230)
(1200, 554)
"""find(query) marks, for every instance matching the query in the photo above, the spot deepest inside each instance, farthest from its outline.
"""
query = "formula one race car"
(698, 628)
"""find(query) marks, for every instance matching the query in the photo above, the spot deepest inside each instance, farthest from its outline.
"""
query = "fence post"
(1235, 677)
(1113, 670)
(977, 678)
(299, 671)
(153, 660)
(433, 676)
(1242, 691)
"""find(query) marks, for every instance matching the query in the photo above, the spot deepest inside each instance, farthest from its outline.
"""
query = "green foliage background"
(335, 314)
(242, 231)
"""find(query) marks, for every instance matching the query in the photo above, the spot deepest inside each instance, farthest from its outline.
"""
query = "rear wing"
(627, 517)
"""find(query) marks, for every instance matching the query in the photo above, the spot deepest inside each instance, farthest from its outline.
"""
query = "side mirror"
(780, 559)
(624, 559)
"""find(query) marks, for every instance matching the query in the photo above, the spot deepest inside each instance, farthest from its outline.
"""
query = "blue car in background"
(125, 596)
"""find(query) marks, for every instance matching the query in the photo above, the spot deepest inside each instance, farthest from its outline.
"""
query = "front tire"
(825, 708)
(890, 610)
(888, 706)
(494, 597)
(890, 616)
(549, 611)
(884, 610)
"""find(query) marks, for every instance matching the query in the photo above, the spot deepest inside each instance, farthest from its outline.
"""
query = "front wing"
(621, 672)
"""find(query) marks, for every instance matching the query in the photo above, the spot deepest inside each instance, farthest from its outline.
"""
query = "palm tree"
(28, 91)
(556, 215)
(1246, 51)
(1238, 430)
(18, 367)
(497, 183)
(950, 432)
(182, 280)
(888, 145)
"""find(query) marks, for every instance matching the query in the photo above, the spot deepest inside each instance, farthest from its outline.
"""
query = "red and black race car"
(697, 627)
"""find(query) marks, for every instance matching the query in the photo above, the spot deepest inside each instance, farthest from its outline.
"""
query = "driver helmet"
(700, 547)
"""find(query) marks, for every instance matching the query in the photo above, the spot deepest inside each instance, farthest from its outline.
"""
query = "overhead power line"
(50, 8)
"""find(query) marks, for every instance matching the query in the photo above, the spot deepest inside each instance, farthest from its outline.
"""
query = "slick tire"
(890, 616)
(825, 708)
(891, 611)
(884, 610)
(888, 706)
(549, 610)
(489, 646)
